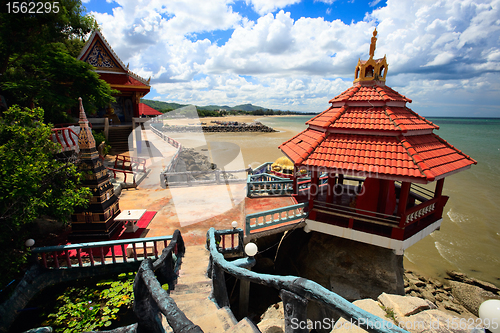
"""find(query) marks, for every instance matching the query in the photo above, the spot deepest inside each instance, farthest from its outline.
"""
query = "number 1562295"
(32, 7)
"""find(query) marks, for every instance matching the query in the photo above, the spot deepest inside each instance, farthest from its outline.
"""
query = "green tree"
(32, 183)
(38, 65)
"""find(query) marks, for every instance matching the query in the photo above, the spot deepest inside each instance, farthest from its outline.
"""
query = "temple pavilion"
(98, 53)
(377, 168)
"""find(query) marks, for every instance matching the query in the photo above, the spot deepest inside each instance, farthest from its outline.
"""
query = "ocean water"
(469, 238)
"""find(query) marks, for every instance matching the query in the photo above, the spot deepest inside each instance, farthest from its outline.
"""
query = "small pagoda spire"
(85, 138)
(371, 71)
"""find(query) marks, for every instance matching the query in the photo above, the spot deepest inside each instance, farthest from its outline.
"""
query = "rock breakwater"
(240, 127)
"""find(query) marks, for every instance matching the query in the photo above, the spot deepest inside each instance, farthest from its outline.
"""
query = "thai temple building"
(97, 220)
(98, 53)
(377, 168)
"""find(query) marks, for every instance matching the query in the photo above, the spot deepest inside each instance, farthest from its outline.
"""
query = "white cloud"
(279, 62)
(268, 6)
(374, 3)
(441, 59)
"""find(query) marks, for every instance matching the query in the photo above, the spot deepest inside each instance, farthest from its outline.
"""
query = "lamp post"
(489, 312)
(250, 250)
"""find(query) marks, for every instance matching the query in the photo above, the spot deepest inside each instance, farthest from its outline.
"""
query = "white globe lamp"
(489, 312)
(29, 242)
(234, 224)
(251, 249)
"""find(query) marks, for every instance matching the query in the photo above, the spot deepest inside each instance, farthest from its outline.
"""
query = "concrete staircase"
(118, 138)
(192, 294)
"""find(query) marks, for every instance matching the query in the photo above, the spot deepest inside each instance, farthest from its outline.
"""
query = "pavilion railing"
(268, 185)
(295, 292)
(74, 255)
(258, 221)
(263, 168)
(352, 213)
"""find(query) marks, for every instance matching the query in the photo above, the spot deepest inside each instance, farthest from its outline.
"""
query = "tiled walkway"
(192, 210)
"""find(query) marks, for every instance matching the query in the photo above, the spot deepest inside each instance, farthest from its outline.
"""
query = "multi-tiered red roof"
(369, 137)
(369, 128)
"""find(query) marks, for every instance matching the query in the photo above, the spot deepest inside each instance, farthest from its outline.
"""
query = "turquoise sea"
(469, 238)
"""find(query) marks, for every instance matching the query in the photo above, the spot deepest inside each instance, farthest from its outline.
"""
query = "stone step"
(194, 308)
(219, 321)
(181, 298)
(244, 326)
(194, 287)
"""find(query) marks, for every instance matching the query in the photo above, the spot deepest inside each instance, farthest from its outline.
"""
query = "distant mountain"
(158, 105)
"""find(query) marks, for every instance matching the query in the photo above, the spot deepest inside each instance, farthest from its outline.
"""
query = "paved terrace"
(192, 210)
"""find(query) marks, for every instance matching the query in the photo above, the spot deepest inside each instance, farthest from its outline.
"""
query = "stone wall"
(219, 129)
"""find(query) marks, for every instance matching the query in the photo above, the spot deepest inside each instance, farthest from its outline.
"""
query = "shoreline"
(426, 257)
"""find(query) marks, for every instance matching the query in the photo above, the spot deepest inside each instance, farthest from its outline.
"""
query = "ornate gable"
(98, 53)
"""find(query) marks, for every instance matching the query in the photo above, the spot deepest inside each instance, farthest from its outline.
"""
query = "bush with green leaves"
(81, 309)
(32, 183)
(99, 138)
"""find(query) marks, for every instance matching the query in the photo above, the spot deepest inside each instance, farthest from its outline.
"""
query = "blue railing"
(263, 168)
(141, 247)
(273, 217)
(295, 292)
(267, 184)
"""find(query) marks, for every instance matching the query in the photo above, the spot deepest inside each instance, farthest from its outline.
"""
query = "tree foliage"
(32, 182)
(38, 65)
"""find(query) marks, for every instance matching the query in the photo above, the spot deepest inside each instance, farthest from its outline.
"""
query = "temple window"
(357, 73)
(382, 70)
(369, 71)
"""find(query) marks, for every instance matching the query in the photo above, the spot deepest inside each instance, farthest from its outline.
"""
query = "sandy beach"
(224, 148)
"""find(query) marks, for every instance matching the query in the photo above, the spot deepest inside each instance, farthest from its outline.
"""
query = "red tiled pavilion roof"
(421, 158)
(369, 93)
(148, 111)
(384, 118)
(368, 128)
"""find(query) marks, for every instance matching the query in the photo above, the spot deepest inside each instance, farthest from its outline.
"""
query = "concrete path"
(192, 210)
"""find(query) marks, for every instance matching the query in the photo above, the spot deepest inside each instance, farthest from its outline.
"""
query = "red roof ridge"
(320, 139)
(457, 150)
(340, 112)
(423, 118)
(388, 111)
(346, 94)
(423, 167)
(383, 93)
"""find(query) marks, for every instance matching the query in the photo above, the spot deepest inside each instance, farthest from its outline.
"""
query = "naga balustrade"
(150, 299)
(50, 255)
(295, 292)
(66, 137)
(258, 221)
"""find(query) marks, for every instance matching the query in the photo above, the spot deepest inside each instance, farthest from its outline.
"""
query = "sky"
(297, 55)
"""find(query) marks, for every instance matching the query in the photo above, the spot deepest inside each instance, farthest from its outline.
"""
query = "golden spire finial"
(373, 44)
(85, 137)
